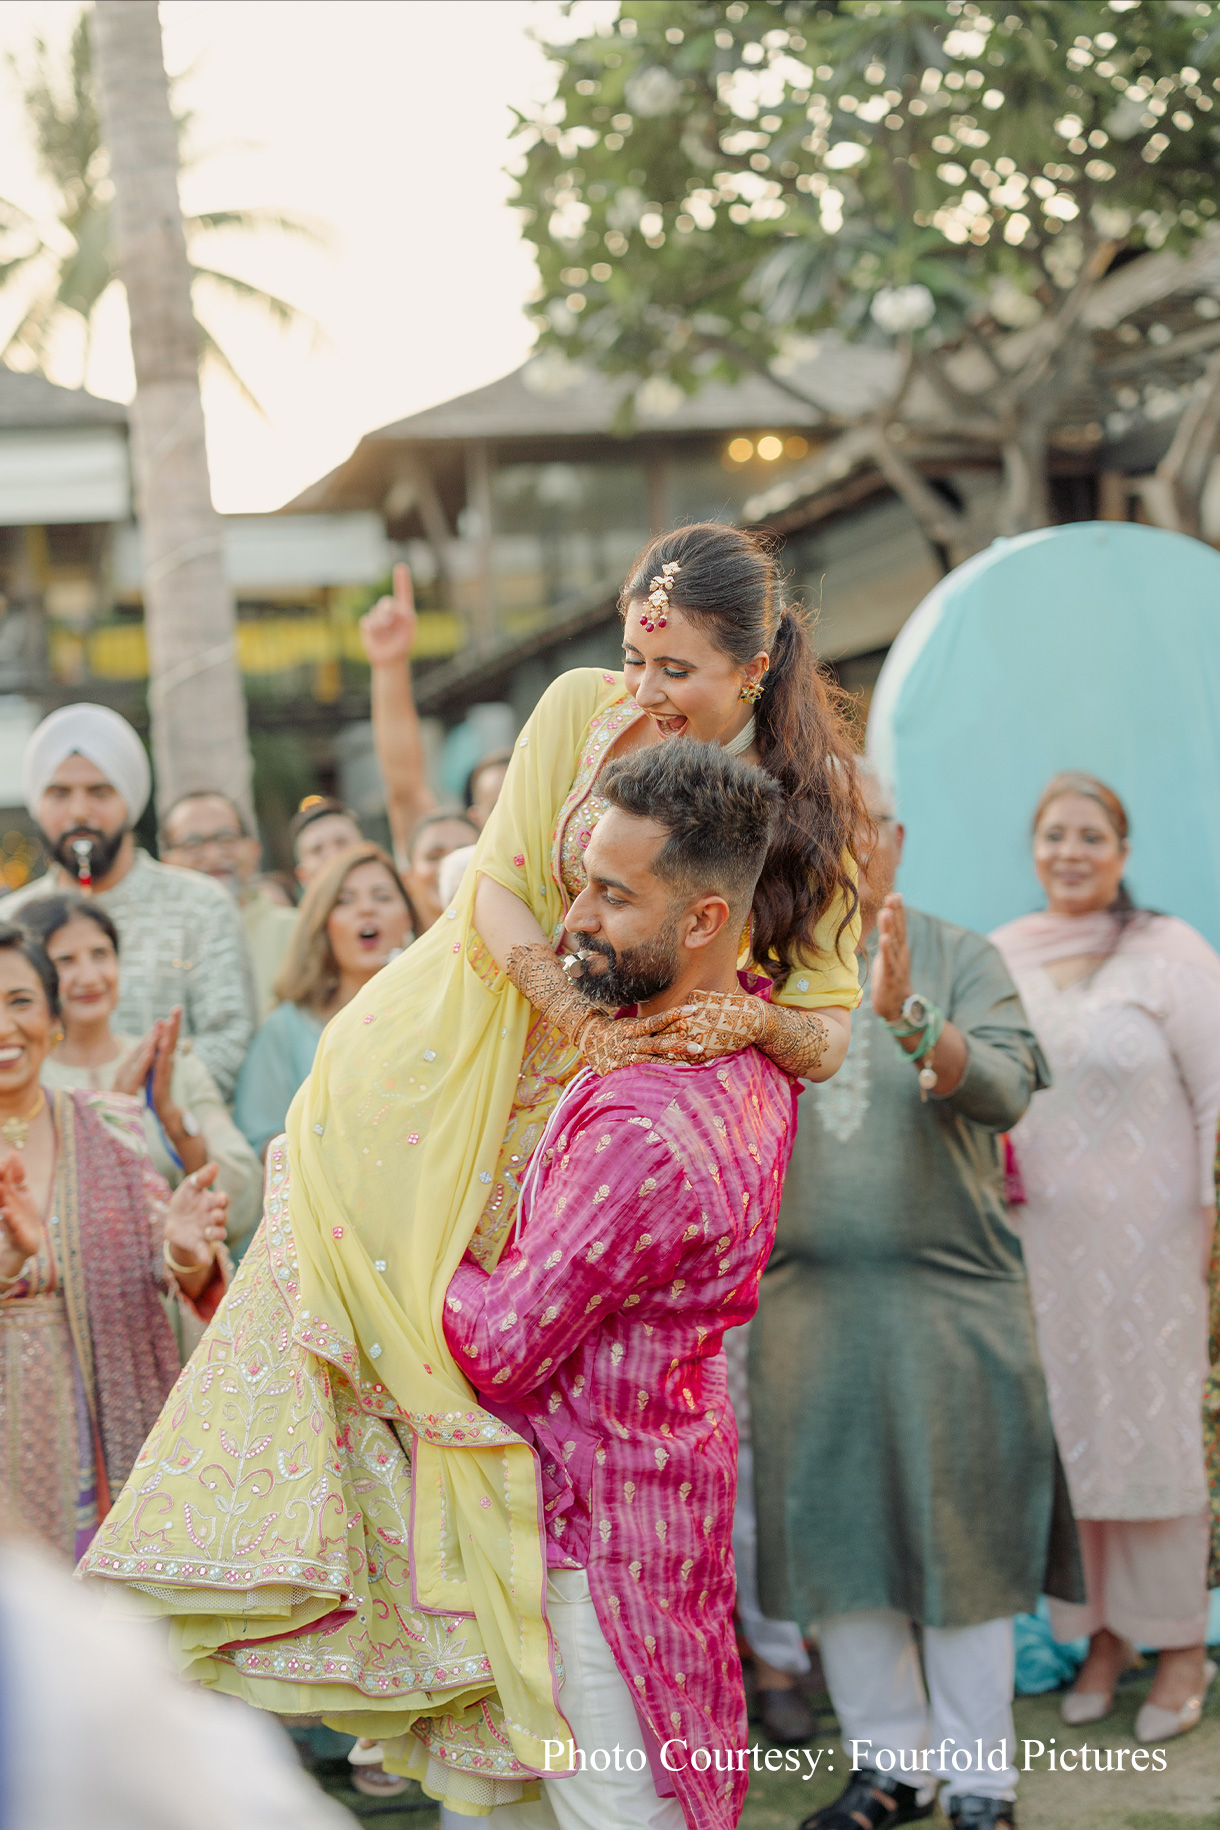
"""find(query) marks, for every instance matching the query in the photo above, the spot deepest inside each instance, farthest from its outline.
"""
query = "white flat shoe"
(1081, 1706)
(1156, 1724)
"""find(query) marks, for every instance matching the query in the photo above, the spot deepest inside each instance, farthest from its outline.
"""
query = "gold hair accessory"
(16, 1131)
(658, 598)
(754, 691)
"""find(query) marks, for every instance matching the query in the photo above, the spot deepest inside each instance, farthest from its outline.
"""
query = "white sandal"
(1081, 1706)
(1156, 1724)
(369, 1775)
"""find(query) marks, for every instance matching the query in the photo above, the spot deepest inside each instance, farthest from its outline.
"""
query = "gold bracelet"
(181, 1270)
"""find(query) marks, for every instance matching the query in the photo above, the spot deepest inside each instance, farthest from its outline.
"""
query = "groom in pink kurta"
(643, 1235)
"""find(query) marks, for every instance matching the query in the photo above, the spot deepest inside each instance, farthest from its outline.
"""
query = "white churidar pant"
(872, 1671)
(597, 1704)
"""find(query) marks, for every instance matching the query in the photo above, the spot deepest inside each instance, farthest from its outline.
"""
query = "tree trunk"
(949, 531)
(1026, 491)
(1173, 495)
(196, 707)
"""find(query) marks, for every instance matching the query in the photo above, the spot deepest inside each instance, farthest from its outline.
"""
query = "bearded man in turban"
(86, 782)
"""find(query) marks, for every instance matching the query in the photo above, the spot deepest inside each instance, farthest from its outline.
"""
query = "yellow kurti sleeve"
(832, 975)
(516, 843)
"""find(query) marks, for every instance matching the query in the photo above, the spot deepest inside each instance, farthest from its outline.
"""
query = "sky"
(385, 121)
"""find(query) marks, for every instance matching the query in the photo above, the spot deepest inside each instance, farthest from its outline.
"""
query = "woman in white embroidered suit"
(1117, 1161)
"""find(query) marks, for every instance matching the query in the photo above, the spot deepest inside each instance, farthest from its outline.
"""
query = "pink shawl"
(1038, 940)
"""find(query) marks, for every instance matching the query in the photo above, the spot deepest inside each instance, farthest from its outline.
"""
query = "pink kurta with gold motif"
(644, 1238)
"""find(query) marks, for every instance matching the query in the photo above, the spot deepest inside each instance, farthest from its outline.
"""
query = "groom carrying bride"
(594, 1349)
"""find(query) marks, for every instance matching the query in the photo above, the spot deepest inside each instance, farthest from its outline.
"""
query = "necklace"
(16, 1131)
(737, 746)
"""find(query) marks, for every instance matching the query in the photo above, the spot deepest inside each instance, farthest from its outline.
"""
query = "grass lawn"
(1186, 1796)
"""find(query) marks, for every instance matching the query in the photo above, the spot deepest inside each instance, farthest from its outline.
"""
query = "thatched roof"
(552, 402)
(32, 403)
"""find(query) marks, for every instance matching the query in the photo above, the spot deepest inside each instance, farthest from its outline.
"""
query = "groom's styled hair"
(721, 814)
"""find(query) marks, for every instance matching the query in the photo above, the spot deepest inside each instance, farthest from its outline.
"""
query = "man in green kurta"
(905, 1465)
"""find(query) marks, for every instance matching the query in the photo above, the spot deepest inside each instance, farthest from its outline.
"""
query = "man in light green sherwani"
(905, 1466)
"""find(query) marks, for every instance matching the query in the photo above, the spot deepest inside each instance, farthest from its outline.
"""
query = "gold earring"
(752, 692)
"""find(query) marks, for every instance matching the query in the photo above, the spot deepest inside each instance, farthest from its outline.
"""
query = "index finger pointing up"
(403, 595)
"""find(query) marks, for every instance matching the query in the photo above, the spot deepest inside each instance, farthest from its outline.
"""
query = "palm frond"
(211, 351)
(66, 263)
(258, 220)
(285, 314)
(33, 330)
(86, 274)
(61, 105)
(10, 269)
(12, 216)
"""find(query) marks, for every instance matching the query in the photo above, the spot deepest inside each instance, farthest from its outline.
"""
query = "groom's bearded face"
(630, 975)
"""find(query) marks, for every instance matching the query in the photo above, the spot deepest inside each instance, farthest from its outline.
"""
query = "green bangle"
(931, 1035)
(930, 1029)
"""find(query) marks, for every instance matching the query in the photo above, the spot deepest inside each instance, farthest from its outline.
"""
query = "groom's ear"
(706, 918)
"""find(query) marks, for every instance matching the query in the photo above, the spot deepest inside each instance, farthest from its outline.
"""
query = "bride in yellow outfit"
(330, 1520)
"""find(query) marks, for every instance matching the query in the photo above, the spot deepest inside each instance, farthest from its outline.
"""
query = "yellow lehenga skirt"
(331, 1520)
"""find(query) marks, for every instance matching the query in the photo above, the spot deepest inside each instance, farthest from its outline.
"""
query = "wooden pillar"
(479, 460)
(1113, 496)
(436, 527)
(657, 488)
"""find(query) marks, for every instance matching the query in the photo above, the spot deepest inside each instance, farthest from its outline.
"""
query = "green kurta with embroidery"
(903, 1450)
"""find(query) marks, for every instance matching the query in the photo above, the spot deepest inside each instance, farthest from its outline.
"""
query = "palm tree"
(64, 266)
(197, 711)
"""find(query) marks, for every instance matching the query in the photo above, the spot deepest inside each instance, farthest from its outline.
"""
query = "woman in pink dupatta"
(1117, 1162)
(90, 1242)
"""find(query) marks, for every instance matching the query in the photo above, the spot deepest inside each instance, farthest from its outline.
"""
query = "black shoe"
(859, 1804)
(971, 1811)
(786, 1716)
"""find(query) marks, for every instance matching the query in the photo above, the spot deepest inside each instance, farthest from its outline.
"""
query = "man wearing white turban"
(86, 781)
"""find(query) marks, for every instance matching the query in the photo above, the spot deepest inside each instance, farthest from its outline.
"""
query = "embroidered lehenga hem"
(298, 1598)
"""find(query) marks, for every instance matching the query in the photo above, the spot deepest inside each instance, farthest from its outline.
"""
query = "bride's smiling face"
(687, 687)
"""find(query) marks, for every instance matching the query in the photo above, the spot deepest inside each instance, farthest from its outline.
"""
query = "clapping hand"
(195, 1221)
(156, 1051)
(20, 1221)
(891, 973)
(388, 629)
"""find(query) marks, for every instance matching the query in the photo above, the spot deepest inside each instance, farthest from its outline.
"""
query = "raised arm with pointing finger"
(388, 633)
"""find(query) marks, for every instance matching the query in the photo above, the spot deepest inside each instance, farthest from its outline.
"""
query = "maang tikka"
(658, 598)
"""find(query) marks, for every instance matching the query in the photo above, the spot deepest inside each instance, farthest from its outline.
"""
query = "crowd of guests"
(1006, 1189)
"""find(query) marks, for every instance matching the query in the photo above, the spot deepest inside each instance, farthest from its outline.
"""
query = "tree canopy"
(965, 185)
